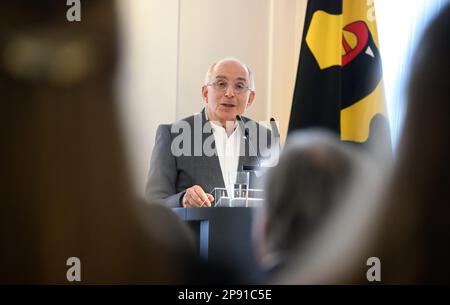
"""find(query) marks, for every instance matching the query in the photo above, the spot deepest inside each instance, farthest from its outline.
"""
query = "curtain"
(400, 25)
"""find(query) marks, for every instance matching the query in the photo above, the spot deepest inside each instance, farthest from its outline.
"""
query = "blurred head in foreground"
(65, 189)
(315, 174)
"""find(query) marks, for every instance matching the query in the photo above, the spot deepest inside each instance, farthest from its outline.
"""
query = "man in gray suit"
(198, 153)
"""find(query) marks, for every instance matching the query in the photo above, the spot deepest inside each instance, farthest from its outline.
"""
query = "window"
(400, 25)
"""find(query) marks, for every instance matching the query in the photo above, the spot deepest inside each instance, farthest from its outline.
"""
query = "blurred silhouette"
(406, 225)
(65, 190)
(414, 244)
(315, 173)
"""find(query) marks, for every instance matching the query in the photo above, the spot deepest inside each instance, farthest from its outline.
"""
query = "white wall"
(287, 29)
(169, 44)
(213, 29)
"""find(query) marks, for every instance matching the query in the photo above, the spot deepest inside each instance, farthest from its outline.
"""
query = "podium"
(224, 235)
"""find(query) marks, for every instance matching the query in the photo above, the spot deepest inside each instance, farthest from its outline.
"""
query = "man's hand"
(195, 197)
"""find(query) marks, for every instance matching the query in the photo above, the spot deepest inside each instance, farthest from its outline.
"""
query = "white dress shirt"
(227, 148)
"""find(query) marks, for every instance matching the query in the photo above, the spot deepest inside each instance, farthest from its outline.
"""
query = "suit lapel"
(212, 163)
(246, 158)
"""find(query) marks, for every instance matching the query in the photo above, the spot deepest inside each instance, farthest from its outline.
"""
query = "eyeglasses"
(222, 85)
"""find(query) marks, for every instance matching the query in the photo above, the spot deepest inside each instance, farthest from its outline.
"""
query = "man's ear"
(205, 93)
(251, 98)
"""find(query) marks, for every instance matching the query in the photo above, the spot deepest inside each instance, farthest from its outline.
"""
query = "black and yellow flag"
(339, 78)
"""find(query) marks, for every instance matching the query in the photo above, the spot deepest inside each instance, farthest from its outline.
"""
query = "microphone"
(252, 149)
(276, 137)
(274, 126)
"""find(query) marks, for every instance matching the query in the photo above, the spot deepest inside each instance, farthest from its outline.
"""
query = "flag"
(339, 84)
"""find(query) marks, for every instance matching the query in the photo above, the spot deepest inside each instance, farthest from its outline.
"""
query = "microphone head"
(275, 130)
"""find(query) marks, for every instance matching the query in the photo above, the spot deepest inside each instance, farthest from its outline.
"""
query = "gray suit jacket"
(170, 175)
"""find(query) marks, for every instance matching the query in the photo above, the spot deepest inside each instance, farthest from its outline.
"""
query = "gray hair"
(249, 72)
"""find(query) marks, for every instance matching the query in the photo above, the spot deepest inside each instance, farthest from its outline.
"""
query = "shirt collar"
(215, 125)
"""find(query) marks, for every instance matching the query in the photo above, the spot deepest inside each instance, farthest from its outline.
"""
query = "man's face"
(224, 105)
